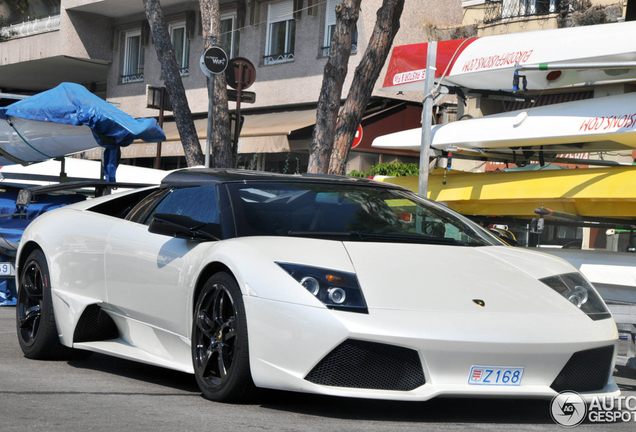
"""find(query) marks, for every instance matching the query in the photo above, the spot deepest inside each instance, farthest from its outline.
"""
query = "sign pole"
(161, 102)
(210, 120)
(239, 89)
(212, 62)
(427, 118)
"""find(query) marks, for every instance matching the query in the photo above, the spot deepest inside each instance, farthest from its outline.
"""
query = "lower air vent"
(95, 325)
(585, 371)
(369, 365)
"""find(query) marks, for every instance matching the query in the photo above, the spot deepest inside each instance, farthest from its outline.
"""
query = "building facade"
(106, 45)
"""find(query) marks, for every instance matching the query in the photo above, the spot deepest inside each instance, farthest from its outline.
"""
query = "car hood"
(410, 276)
(453, 278)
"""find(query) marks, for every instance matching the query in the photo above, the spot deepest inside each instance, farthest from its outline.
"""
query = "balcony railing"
(29, 28)
(278, 58)
(326, 50)
(498, 10)
(138, 77)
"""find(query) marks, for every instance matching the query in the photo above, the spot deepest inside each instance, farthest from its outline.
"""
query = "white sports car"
(315, 284)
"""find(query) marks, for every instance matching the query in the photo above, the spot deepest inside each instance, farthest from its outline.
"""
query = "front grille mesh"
(585, 371)
(369, 365)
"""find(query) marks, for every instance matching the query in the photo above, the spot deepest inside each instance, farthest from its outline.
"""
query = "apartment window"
(229, 35)
(330, 27)
(181, 46)
(133, 58)
(281, 32)
(505, 9)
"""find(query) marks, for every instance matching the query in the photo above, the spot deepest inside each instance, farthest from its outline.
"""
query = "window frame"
(234, 36)
(290, 35)
(331, 5)
(138, 75)
(184, 62)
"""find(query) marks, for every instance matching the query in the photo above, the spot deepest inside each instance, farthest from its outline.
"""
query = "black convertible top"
(203, 176)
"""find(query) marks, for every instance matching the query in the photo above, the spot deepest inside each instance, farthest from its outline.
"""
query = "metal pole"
(209, 134)
(208, 140)
(427, 118)
(239, 91)
(161, 99)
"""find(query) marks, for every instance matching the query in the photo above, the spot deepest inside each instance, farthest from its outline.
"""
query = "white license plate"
(489, 375)
(7, 269)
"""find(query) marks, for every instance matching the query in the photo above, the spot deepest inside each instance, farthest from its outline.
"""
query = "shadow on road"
(441, 410)
(138, 371)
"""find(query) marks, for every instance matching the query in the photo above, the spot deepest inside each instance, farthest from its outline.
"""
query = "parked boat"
(599, 124)
(489, 62)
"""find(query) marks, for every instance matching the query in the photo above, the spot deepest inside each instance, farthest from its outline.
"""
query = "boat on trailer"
(546, 59)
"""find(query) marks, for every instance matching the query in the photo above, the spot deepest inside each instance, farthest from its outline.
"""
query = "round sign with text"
(215, 60)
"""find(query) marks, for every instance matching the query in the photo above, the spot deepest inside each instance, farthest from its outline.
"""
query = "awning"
(261, 133)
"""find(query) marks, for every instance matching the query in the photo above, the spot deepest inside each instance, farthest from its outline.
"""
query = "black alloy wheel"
(35, 318)
(219, 341)
(30, 302)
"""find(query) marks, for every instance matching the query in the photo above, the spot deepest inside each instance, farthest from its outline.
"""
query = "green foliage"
(356, 173)
(393, 169)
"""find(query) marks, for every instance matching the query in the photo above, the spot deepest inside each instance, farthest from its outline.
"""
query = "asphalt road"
(105, 393)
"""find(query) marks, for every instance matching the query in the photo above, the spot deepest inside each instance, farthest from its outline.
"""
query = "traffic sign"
(214, 61)
(240, 70)
(358, 137)
(246, 97)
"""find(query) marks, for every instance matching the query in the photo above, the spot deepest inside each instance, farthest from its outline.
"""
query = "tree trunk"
(332, 82)
(366, 74)
(223, 153)
(174, 85)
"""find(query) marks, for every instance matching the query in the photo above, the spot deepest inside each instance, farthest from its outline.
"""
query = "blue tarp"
(73, 104)
(12, 227)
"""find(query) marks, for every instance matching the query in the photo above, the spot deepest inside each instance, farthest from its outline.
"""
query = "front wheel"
(219, 341)
(35, 318)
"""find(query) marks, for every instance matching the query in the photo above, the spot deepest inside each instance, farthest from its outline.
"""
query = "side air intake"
(95, 325)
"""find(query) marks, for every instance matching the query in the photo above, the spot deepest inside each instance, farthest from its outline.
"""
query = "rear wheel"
(219, 341)
(35, 318)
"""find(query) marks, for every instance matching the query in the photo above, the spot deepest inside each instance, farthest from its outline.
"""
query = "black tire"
(35, 319)
(220, 352)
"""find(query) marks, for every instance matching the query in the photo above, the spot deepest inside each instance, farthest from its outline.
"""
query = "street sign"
(246, 97)
(213, 61)
(240, 70)
(358, 137)
(154, 98)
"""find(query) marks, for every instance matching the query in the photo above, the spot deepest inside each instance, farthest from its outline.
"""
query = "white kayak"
(489, 62)
(607, 123)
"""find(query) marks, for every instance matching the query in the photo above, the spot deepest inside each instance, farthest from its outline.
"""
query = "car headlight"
(578, 291)
(335, 289)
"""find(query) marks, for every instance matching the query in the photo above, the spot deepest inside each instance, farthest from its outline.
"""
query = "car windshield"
(348, 212)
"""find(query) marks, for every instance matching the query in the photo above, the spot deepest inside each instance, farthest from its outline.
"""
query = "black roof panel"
(201, 176)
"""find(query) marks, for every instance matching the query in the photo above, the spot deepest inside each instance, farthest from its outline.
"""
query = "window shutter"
(145, 33)
(281, 11)
(190, 23)
(298, 9)
(331, 12)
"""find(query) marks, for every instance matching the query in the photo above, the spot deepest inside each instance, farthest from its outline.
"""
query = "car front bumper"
(288, 342)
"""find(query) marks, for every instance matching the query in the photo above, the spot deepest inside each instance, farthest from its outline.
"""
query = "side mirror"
(184, 227)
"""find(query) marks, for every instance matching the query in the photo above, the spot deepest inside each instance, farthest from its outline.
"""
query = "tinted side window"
(199, 203)
(139, 212)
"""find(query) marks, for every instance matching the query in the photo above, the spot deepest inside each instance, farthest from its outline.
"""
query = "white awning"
(261, 133)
